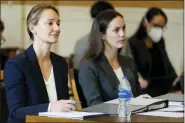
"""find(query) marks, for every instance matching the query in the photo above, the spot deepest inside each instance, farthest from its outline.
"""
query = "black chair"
(3, 104)
(3, 59)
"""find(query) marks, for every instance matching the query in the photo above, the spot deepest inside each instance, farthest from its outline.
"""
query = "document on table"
(163, 114)
(71, 114)
(138, 101)
(176, 103)
(174, 107)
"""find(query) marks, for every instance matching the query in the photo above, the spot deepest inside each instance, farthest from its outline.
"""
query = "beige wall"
(75, 22)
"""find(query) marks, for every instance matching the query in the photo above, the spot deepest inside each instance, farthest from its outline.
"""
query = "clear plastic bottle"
(124, 96)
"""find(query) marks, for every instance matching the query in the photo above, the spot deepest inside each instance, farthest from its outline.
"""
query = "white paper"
(163, 114)
(137, 101)
(71, 114)
(173, 109)
(143, 101)
(174, 103)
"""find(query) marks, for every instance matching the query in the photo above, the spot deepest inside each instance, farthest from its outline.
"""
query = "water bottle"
(124, 96)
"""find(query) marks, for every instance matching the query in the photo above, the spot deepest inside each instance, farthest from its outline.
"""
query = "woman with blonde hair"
(36, 79)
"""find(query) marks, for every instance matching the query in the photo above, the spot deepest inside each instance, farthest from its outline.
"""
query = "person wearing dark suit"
(3, 57)
(182, 82)
(102, 68)
(82, 43)
(36, 79)
(148, 50)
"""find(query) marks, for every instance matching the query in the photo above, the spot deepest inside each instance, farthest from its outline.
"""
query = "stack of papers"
(71, 114)
(175, 109)
(163, 114)
(138, 101)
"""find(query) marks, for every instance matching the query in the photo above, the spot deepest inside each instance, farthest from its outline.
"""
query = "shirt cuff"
(49, 107)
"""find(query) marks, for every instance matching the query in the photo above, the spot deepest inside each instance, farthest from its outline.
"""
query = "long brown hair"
(99, 27)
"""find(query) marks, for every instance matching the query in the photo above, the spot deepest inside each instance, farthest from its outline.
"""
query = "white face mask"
(155, 33)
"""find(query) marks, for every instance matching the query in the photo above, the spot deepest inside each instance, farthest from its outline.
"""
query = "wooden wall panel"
(175, 4)
(137, 3)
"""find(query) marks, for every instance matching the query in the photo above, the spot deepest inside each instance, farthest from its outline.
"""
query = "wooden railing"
(175, 4)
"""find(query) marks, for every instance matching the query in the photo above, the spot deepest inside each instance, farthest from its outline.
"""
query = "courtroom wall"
(76, 22)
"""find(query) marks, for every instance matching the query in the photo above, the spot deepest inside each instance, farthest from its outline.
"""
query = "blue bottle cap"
(124, 77)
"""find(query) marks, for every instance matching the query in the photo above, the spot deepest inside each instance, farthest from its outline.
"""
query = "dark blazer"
(25, 87)
(99, 82)
(143, 62)
(182, 82)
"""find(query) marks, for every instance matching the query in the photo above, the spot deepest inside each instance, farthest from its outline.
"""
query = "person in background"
(182, 82)
(102, 68)
(36, 80)
(148, 50)
(1, 29)
(82, 43)
(3, 57)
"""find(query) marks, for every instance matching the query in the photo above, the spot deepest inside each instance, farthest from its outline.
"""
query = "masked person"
(148, 50)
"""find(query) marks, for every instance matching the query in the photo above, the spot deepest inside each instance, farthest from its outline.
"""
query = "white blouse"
(119, 73)
(51, 89)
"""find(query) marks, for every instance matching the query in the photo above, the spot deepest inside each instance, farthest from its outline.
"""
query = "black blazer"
(99, 82)
(25, 87)
(143, 62)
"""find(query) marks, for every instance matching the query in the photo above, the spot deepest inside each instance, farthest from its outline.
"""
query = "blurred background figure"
(147, 45)
(82, 43)
(3, 58)
(1, 30)
(182, 82)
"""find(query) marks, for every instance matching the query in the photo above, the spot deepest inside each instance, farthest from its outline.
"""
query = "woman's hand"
(177, 79)
(143, 82)
(63, 106)
(145, 96)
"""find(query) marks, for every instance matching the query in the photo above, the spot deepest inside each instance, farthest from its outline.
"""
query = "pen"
(76, 103)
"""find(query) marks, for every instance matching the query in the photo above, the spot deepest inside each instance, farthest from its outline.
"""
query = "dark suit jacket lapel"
(105, 66)
(37, 77)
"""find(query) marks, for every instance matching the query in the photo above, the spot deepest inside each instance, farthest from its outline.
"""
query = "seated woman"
(102, 68)
(36, 79)
(148, 50)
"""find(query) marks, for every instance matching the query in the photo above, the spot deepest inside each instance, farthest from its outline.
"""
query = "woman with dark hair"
(3, 57)
(36, 80)
(1, 29)
(102, 68)
(148, 50)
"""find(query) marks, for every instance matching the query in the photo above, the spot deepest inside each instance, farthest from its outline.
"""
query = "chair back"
(76, 89)
(1, 75)
(3, 104)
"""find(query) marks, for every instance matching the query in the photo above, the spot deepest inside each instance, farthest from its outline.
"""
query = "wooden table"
(134, 118)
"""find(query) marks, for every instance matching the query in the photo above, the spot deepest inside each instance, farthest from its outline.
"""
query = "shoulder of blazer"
(89, 64)
(134, 42)
(19, 59)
